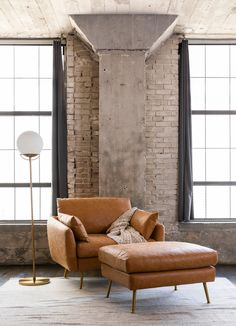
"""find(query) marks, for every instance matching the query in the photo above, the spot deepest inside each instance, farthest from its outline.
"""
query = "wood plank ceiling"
(49, 18)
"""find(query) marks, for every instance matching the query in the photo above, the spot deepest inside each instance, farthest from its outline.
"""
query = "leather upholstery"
(75, 225)
(158, 233)
(97, 213)
(62, 244)
(157, 279)
(157, 256)
(144, 222)
(90, 248)
(95, 242)
(88, 264)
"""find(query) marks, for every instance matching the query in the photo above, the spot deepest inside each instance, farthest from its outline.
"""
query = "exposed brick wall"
(162, 132)
(161, 142)
(82, 113)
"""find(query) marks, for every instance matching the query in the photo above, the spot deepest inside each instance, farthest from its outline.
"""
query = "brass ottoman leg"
(81, 280)
(109, 288)
(133, 302)
(65, 273)
(175, 287)
(206, 292)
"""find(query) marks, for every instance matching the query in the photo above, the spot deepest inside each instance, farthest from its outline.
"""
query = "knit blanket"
(121, 231)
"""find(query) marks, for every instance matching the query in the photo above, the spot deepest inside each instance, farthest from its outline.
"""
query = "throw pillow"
(144, 222)
(75, 224)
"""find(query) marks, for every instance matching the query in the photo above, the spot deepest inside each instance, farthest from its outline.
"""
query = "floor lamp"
(30, 144)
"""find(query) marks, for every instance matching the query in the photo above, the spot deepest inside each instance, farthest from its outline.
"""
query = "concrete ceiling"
(50, 18)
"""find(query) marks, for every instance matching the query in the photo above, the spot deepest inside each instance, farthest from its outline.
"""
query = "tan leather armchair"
(97, 214)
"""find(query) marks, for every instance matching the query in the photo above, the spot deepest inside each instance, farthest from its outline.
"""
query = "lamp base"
(29, 281)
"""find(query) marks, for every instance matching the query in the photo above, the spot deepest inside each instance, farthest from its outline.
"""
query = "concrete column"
(121, 125)
(122, 42)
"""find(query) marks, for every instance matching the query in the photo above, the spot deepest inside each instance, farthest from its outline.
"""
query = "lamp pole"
(31, 142)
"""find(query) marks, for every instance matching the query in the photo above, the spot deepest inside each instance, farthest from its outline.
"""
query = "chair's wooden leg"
(65, 272)
(133, 302)
(175, 287)
(109, 288)
(81, 280)
(206, 292)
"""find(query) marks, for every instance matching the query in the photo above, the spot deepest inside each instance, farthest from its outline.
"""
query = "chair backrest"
(96, 213)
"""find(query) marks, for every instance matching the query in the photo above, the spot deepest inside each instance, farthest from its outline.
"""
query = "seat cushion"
(157, 256)
(90, 248)
(96, 213)
(144, 222)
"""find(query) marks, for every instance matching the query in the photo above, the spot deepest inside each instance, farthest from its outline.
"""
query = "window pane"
(6, 133)
(6, 99)
(199, 201)
(217, 60)
(198, 93)
(197, 60)
(217, 94)
(7, 204)
(233, 202)
(7, 166)
(6, 61)
(45, 166)
(233, 131)
(26, 61)
(217, 165)
(26, 95)
(25, 123)
(217, 131)
(233, 165)
(46, 131)
(23, 203)
(218, 202)
(46, 94)
(233, 61)
(198, 131)
(233, 93)
(22, 169)
(46, 61)
(46, 201)
(199, 164)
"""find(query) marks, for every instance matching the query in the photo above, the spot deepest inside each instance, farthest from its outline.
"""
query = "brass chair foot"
(206, 292)
(81, 280)
(133, 302)
(175, 287)
(109, 289)
(65, 273)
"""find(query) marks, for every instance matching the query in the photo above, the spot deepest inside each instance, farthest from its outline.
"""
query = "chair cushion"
(96, 213)
(90, 249)
(157, 256)
(75, 225)
(144, 222)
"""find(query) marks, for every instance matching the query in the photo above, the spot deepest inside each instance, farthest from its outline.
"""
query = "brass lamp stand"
(31, 281)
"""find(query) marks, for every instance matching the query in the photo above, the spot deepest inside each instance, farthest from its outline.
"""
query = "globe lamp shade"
(29, 143)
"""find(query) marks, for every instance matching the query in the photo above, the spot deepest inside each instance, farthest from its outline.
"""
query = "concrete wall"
(161, 135)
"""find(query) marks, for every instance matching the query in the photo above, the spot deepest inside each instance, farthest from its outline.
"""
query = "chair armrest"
(62, 244)
(159, 232)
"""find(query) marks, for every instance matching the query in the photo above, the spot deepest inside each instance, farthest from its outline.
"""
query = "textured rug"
(62, 303)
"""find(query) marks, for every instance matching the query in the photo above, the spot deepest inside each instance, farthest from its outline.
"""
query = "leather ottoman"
(156, 264)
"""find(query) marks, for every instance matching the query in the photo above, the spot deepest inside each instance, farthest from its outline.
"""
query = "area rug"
(63, 303)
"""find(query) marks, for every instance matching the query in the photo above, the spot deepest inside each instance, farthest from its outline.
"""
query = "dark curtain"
(185, 137)
(59, 129)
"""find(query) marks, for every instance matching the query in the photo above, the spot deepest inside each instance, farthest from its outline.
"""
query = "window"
(25, 104)
(213, 102)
